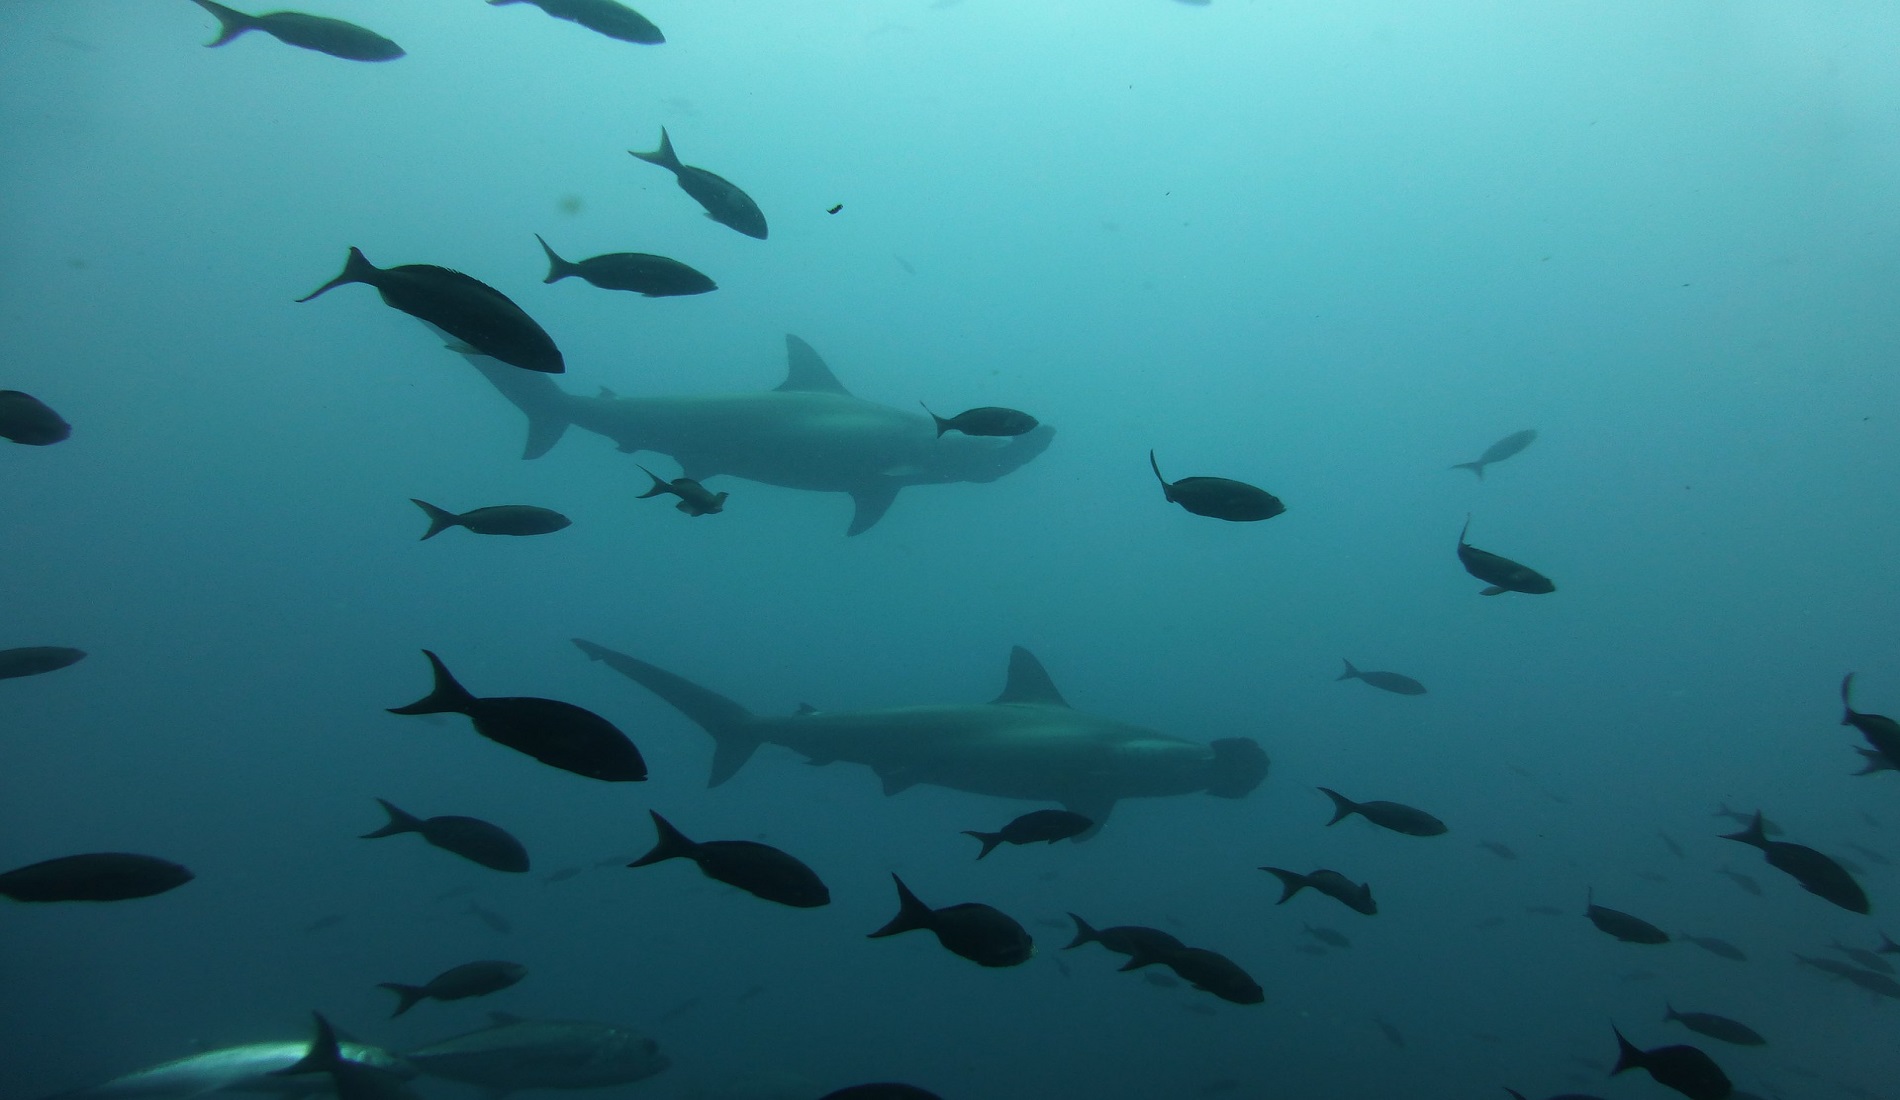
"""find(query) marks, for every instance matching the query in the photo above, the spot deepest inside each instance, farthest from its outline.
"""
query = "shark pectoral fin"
(1029, 682)
(1095, 809)
(729, 755)
(872, 502)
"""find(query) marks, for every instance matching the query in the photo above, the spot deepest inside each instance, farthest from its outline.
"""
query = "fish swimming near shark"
(1499, 451)
(1501, 573)
(316, 33)
(251, 1069)
(1027, 743)
(725, 203)
(808, 433)
(695, 499)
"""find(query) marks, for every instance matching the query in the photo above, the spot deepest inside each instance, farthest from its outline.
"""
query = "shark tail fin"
(1343, 807)
(1084, 933)
(440, 519)
(230, 23)
(729, 723)
(448, 696)
(545, 404)
(400, 821)
(912, 913)
(672, 844)
(990, 841)
(407, 996)
(1291, 882)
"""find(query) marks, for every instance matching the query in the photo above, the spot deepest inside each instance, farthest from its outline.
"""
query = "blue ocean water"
(1326, 249)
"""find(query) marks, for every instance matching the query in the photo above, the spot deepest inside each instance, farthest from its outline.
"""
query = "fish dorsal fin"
(1029, 682)
(805, 372)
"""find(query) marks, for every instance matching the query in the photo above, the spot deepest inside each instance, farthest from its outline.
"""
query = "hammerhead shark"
(1026, 743)
(809, 433)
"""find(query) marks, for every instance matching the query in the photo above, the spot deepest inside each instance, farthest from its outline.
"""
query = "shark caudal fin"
(729, 723)
(547, 406)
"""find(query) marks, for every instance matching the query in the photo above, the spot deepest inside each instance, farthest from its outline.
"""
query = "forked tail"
(729, 723)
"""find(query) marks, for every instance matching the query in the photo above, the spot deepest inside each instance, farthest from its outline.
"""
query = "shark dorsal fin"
(1029, 682)
(805, 372)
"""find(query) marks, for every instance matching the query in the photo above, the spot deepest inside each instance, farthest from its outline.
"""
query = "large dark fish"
(1395, 816)
(988, 420)
(695, 499)
(1499, 451)
(1142, 945)
(1683, 1068)
(1882, 732)
(558, 734)
(1715, 1027)
(457, 983)
(306, 32)
(496, 519)
(606, 17)
(471, 311)
(759, 869)
(95, 876)
(1715, 946)
(1353, 895)
(724, 202)
(471, 838)
(1034, 827)
(981, 934)
(1623, 926)
(1817, 874)
(639, 272)
(25, 419)
(1501, 573)
(36, 659)
(881, 1091)
(1218, 497)
(1394, 682)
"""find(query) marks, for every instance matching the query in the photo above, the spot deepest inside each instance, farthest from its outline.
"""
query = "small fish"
(1716, 946)
(606, 17)
(1669, 842)
(725, 203)
(1394, 682)
(1871, 960)
(1623, 926)
(26, 420)
(987, 420)
(1499, 451)
(639, 272)
(1395, 816)
(1218, 497)
(1715, 1027)
(1881, 732)
(499, 519)
(695, 499)
(1142, 945)
(759, 869)
(1817, 874)
(977, 932)
(1326, 935)
(1391, 1033)
(1874, 983)
(1353, 895)
(1035, 827)
(469, 310)
(1683, 1068)
(1502, 851)
(1213, 972)
(94, 876)
(1501, 573)
(1746, 882)
(37, 659)
(471, 838)
(474, 979)
(881, 1091)
(306, 32)
(495, 921)
(1740, 818)
(328, 920)
(558, 734)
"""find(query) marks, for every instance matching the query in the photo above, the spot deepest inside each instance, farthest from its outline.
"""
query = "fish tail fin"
(1084, 933)
(1628, 1056)
(230, 23)
(912, 913)
(663, 156)
(730, 724)
(1474, 467)
(942, 424)
(407, 996)
(719, 502)
(356, 269)
(1847, 685)
(1351, 673)
(558, 268)
(400, 821)
(448, 696)
(990, 841)
(1291, 882)
(660, 485)
(1166, 489)
(1756, 833)
(672, 843)
(440, 519)
(324, 1055)
(1343, 807)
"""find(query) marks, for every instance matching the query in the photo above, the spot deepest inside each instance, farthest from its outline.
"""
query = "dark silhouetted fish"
(1034, 827)
(515, 1054)
(1500, 850)
(1740, 818)
(94, 876)
(471, 838)
(695, 499)
(1881, 732)
(1142, 945)
(1817, 874)
(1499, 451)
(1387, 815)
(987, 420)
(1866, 979)
(36, 659)
(1873, 760)
(499, 519)
(558, 734)
(979, 933)
(1353, 895)
(306, 32)
(1715, 1027)
(1213, 972)
(1746, 882)
(1716, 946)
(1218, 497)
(724, 202)
(1326, 935)
(606, 17)
(355, 1072)
(25, 419)
(1683, 1068)
(1669, 842)
(1391, 1033)
(639, 272)
(495, 921)
(1394, 682)
(476, 979)
(881, 1091)
(471, 311)
(1624, 927)
(1501, 573)
(759, 869)
(1863, 957)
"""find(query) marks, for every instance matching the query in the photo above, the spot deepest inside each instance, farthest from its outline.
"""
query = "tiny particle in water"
(572, 204)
